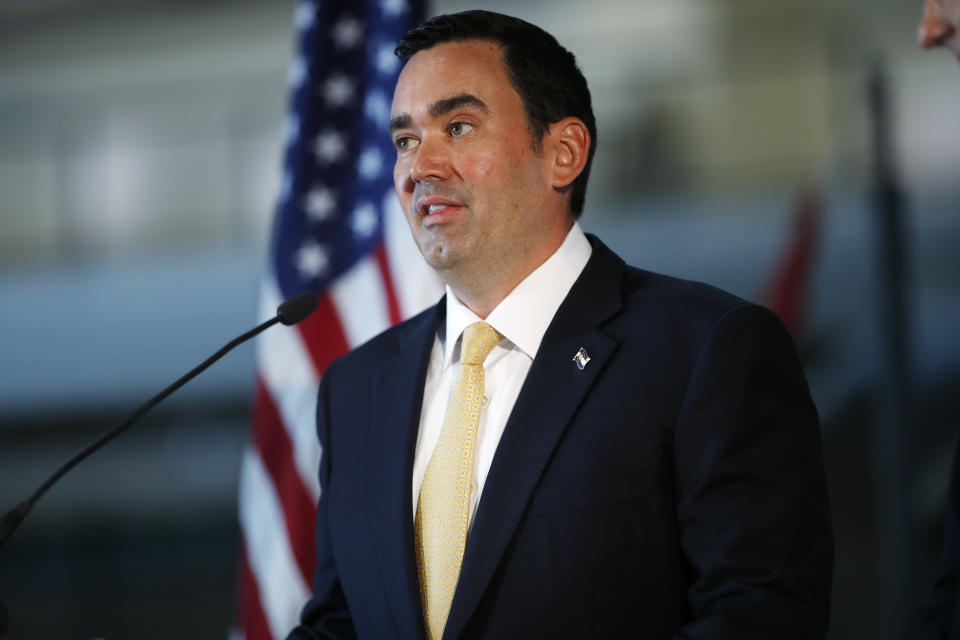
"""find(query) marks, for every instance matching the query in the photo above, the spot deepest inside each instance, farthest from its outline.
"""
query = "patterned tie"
(443, 509)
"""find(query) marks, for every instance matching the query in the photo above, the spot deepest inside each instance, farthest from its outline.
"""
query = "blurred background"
(140, 161)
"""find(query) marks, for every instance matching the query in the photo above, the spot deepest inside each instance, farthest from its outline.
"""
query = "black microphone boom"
(290, 311)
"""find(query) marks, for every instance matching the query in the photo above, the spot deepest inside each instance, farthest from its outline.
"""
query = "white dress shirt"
(522, 318)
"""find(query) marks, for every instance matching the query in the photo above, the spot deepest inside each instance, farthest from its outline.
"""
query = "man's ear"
(570, 147)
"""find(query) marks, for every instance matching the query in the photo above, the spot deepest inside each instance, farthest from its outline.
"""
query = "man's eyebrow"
(440, 107)
(402, 121)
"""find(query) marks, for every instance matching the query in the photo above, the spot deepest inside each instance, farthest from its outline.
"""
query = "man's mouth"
(435, 207)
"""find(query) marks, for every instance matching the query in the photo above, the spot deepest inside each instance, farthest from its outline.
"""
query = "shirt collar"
(524, 315)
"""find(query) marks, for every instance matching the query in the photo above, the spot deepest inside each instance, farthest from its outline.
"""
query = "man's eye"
(458, 129)
(402, 144)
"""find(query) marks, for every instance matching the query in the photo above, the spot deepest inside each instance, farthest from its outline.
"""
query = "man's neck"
(482, 291)
(483, 305)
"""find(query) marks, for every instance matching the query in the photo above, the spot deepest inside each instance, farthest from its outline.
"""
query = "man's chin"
(438, 256)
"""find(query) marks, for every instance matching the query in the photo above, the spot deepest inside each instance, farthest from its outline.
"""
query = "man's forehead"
(448, 69)
(459, 52)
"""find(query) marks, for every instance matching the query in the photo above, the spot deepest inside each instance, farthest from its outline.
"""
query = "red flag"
(786, 293)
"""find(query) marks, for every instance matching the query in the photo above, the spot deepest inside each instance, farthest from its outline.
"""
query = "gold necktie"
(443, 509)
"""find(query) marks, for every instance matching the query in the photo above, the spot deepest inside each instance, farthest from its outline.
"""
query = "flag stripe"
(290, 376)
(323, 335)
(360, 303)
(251, 613)
(393, 304)
(281, 588)
(299, 508)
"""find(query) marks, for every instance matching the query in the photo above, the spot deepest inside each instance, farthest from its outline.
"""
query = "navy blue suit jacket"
(937, 619)
(672, 488)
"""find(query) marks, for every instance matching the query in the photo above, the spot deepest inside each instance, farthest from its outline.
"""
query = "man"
(564, 447)
(940, 26)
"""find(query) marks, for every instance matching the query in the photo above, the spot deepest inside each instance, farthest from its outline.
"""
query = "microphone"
(293, 310)
(290, 312)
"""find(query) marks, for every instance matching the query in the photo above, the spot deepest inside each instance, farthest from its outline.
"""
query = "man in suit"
(565, 446)
(937, 618)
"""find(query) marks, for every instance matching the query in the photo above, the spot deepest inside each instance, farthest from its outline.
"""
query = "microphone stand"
(16, 515)
(290, 312)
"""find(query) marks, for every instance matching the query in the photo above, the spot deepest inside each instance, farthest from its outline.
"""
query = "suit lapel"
(553, 391)
(395, 400)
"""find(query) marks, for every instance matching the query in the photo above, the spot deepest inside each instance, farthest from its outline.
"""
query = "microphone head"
(293, 310)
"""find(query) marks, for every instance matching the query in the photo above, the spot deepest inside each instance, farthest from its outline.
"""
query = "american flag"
(340, 232)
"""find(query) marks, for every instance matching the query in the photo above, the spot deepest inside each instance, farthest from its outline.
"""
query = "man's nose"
(933, 29)
(432, 161)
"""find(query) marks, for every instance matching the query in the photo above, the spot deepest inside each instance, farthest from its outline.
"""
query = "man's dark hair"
(542, 72)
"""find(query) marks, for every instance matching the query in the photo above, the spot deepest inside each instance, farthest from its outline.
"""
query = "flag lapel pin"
(582, 358)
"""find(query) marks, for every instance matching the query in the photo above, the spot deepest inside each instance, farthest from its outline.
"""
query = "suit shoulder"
(698, 311)
(691, 316)
(695, 300)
